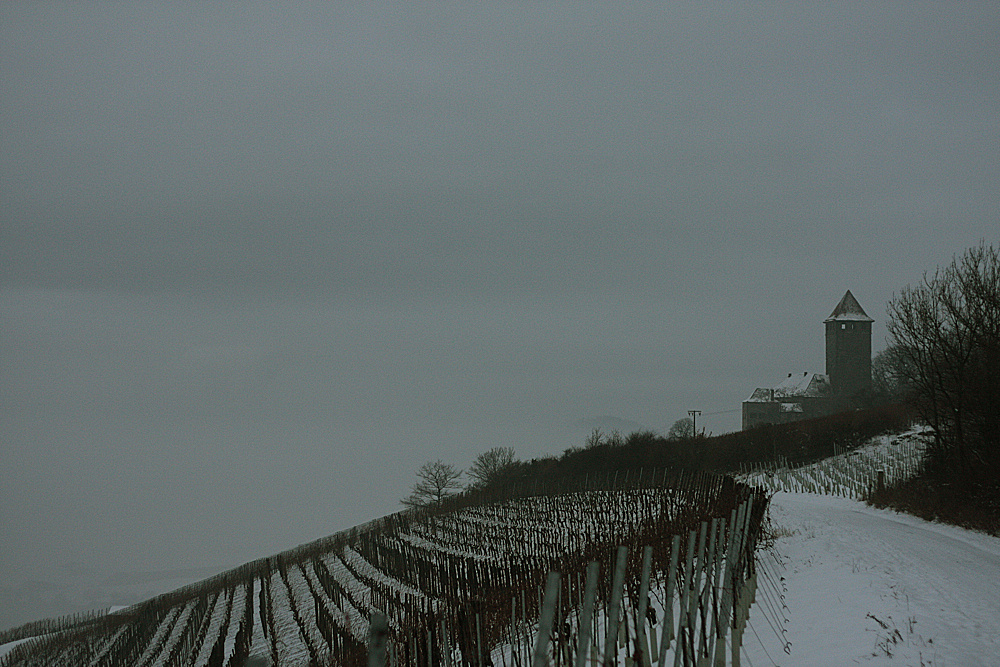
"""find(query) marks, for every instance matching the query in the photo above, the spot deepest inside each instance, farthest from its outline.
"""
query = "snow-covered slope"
(873, 587)
(857, 585)
(434, 575)
(852, 473)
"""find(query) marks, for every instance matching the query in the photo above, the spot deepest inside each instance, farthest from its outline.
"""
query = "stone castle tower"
(849, 349)
(847, 382)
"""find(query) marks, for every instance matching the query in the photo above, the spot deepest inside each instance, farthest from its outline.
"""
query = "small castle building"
(847, 382)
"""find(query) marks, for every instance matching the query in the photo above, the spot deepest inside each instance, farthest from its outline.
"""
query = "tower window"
(843, 326)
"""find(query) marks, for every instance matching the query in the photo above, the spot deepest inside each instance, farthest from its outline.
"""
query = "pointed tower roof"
(849, 310)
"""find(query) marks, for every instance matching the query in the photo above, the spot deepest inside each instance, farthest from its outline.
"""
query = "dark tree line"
(945, 347)
(944, 356)
(796, 443)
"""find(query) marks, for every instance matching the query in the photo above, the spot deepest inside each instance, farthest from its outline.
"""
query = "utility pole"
(694, 421)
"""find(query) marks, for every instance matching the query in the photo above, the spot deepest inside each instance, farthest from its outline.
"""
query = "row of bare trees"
(437, 480)
(945, 353)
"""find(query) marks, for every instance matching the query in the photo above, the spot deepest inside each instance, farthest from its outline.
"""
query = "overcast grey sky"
(258, 263)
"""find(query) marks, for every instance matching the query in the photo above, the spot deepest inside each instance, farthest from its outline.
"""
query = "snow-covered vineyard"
(886, 459)
(462, 585)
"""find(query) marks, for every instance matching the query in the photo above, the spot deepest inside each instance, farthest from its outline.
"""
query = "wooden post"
(524, 626)
(540, 657)
(614, 611)
(738, 617)
(479, 642)
(720, 559)
(514, 649)
(703, 604)
(735, 521)
(378, 633)
(641, 645)
(445, 645)
(682, 614)
(695, 598)
(667, 626)
(587, 620)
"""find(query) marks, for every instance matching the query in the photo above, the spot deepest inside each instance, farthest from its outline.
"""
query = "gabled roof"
(807, 385)
(760, 395)
(849, 310)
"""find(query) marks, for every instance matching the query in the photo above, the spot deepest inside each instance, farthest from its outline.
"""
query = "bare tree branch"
(946, 333)
(490, 466)
(436, 481)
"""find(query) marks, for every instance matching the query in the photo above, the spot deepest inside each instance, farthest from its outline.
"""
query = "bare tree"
(890, 375)
(595, 438)
(682, 429)
(947, 331)
(490, 466)
(436, 481)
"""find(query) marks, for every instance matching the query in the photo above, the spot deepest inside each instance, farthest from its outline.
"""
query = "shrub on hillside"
(797, 443)
(936, 495)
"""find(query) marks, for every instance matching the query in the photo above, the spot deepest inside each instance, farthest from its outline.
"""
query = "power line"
(723, 412)
(694, 420)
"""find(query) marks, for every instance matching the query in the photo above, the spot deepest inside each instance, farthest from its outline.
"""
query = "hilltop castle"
(848, 377)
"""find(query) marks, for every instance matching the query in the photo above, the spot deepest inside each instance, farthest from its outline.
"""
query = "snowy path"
(873, 587)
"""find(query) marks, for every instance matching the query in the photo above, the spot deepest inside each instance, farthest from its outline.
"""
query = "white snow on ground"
(873, 587)
(9, 646)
